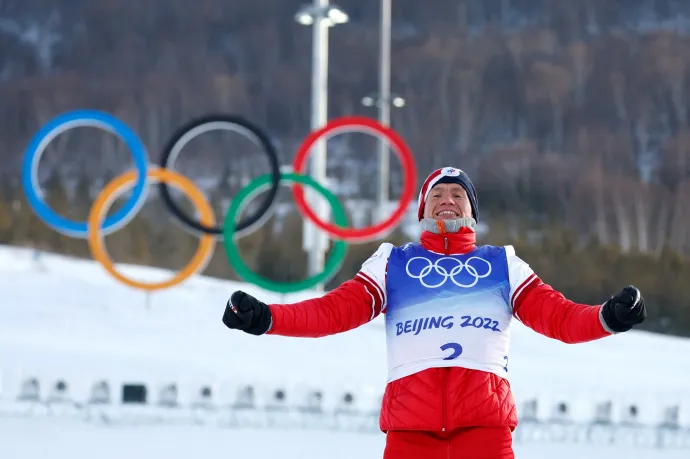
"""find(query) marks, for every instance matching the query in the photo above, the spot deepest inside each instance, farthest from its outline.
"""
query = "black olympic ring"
(206, 123)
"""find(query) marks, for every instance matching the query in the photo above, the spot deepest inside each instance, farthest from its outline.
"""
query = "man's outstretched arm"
(549, 313)
(350, 305)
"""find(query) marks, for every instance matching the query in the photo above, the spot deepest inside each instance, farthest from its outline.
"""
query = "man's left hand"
(624, 309)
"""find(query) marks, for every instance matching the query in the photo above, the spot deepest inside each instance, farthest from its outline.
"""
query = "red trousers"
(469, 443)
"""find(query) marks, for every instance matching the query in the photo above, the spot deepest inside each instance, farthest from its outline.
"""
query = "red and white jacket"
(447, 397)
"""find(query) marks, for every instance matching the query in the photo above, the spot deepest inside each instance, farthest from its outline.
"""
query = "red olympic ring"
(354, 235)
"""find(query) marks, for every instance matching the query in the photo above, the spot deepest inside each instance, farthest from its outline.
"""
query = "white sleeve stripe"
(374, 271)
(521, 288)
(369, 287)
(382, 296)
(373, 304)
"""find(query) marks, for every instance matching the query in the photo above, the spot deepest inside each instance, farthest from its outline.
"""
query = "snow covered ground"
(66, 319)
(31, 439)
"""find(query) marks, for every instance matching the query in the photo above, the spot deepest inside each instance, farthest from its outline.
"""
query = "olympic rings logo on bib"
(206, 227)
(430, 268)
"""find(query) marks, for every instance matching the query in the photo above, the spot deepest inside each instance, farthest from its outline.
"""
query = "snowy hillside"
(64, 318)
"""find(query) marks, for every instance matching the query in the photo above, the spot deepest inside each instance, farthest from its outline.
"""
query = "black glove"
(624, 309)
(246, 313)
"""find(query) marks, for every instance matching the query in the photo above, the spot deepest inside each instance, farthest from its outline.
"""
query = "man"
(449, 306)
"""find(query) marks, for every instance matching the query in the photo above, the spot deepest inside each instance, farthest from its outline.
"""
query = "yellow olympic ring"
(119, 185)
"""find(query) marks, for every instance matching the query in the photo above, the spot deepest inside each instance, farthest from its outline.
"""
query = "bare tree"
(581, 62)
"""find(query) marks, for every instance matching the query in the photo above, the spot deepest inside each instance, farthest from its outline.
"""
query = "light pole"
(384, 103)
(321, 16)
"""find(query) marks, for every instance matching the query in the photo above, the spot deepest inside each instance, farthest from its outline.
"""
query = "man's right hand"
(246, 313)
(624, 310)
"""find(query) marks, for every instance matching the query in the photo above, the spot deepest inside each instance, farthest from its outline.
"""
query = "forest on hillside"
(571, 117)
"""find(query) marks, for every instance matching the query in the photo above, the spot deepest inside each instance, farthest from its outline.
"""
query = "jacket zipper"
(445, 373)
(443, 399)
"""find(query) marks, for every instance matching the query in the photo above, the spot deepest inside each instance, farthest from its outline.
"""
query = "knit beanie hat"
(448, 175)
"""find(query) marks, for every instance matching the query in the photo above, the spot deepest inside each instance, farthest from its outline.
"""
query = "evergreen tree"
(6, 217)
(58, 200)
(79, 208)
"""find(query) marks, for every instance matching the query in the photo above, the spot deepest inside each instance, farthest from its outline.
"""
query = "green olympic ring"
(335, 259)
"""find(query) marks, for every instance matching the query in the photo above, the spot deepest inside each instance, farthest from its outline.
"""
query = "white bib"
(447, 311)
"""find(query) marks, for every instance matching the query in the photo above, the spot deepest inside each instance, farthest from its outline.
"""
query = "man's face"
(447, 201)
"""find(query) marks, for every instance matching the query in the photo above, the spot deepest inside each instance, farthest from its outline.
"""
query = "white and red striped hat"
(448, 175)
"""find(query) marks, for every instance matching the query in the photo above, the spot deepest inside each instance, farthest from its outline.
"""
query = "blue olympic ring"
(55, 127)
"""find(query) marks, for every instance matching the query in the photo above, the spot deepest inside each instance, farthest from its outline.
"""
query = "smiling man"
(449, 305)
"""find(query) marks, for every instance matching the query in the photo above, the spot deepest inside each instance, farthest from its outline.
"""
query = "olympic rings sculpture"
(207, 228)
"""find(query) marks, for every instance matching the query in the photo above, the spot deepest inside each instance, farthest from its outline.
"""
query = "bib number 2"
(455, 348)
